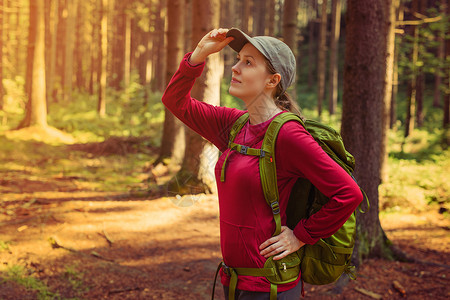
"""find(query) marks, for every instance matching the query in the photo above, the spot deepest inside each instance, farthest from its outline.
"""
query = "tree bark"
(197, 170)
(364, 90)
(102, 57)
(36, 109)
(290, 32)
(334, 54)
(69, 42)
(54, 31)
(391, 13)
(173, 139)
(395, 82)
(446, 120)
(321, 73)
(259, 17)
(270, 28)
(412, 87)
(2, 25)
(312, 42)
(81, 46)
(127, 52)
(159, 53)
(247, 17)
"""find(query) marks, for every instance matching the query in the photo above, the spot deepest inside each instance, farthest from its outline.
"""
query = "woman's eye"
(248, 62)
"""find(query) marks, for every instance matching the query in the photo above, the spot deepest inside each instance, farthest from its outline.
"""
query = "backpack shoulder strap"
(267, 166)
(237, 126)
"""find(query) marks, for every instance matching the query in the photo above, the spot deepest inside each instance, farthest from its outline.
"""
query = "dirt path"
(124, 248)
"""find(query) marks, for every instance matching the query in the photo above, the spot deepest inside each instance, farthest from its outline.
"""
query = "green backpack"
(323, 262)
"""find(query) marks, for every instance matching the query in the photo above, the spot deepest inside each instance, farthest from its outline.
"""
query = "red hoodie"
(246, 221)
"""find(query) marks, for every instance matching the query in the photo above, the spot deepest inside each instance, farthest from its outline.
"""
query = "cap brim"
(240, 39)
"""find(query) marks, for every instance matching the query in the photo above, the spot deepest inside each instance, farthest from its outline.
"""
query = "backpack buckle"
(275, 207)
(243, 149)
(226, 269)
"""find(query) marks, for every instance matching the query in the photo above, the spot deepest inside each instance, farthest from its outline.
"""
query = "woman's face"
(250, 75)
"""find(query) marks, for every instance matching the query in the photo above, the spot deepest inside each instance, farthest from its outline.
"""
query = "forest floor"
(62, 239)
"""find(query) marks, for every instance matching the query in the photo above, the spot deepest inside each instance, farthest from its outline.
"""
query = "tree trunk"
(159, 53)
(312, 46)
(197, 171)
(446, 120)
(364, 90)
(52, 55)
(94, 51)
(412, 87)
(334, 54)
(270, 28)
(259, 17)
(127, 51)
(102, 57)
(69, 42)
(32, 28)
(247, 17)
(391, 13)
(2, 25)
(437, 95)
(290, 32)
(420, 75)
(395, 83)
(321, 73)
(81, 46)
(118, 44)
(173, 139)
(36, 109)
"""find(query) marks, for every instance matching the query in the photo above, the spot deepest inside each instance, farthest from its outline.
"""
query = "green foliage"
(20, 275)
(14, 102)
(4, 246)
(418, 172)
(128, 113)
(75, 279)
(430, 37)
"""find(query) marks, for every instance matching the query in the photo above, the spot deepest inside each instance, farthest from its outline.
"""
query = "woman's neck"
(262, 109)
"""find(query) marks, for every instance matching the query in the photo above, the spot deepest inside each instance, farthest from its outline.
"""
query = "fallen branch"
(97, 255)
(399, 288)
(107, 237)
(55, 245)
(368, 293)
(117, 291)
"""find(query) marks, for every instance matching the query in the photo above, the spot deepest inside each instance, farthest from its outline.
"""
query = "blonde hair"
(282, 98)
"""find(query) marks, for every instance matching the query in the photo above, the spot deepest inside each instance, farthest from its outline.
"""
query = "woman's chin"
(232, 92)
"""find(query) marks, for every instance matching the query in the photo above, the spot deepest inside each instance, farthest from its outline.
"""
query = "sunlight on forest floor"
(47, 134)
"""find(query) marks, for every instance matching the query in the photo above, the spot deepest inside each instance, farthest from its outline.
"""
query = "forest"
(106, 195)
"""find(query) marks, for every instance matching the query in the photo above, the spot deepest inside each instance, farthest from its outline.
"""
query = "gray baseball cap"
(278, 53)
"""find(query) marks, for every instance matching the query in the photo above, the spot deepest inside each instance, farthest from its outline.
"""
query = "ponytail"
(282, 98)
(285, 102)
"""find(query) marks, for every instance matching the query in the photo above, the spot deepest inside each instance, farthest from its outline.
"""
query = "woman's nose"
(235, 68)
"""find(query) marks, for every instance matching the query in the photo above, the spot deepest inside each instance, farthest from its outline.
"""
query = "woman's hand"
(212, 42)
(283, 244)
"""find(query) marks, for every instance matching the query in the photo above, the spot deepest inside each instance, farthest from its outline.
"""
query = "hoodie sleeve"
(212, 122)
(301, 156)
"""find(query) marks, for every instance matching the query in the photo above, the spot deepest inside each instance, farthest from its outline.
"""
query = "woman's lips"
(234, 80)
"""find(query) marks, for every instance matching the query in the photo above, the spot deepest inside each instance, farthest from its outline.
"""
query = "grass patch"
(76, 280)
(19, 275)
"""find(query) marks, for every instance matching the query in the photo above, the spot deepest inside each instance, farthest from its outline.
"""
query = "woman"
(264, 69)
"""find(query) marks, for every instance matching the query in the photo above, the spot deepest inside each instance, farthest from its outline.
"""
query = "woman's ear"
(276, 78)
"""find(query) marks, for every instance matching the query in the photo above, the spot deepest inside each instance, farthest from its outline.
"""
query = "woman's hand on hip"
(212, 42)
(281, 245)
